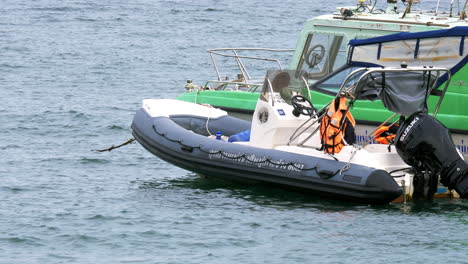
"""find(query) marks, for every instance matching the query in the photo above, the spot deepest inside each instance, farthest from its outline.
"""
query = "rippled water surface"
(72, 73)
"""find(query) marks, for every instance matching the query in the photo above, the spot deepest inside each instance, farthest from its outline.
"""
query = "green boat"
(322, 50)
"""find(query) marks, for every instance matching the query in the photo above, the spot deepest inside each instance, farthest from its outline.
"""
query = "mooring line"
(115, 147)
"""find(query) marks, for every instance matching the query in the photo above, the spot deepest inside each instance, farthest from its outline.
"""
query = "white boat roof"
(371, 22)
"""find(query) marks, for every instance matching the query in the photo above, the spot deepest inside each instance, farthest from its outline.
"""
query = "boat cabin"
(323, 41)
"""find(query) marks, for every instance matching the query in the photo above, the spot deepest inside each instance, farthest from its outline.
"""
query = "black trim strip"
(379, 51)
(233, 109)
(462, 45)
(416, 50)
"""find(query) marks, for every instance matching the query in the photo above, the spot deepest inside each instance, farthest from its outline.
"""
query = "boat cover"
(404, 93)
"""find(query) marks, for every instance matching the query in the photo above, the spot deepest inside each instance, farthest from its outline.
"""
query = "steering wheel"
(302, 106)
(315, 55)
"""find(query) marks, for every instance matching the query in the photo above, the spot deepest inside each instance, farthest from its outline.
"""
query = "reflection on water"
(273, 196)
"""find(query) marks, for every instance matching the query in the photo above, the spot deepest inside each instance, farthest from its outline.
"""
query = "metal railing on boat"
(240, 64)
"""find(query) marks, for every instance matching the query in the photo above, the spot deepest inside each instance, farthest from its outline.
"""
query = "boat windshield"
(322, 54)
(332, 83)
(282, 85)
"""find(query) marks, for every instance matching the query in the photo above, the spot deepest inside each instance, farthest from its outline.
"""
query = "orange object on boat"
(334, 124)
(383, 135)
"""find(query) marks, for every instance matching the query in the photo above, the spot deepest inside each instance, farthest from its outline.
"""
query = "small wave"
(14, 189)
(63, 214)
(154, 233)
(60, 256)
(149, 233)
(198, 19)
(91, 161)
(57, 9)
(254, 225)
(96, 217)
(10, 66)
(168, 63)
(152, 184)
(49, 19)
(14, 239)
(213, 10)
(22, 240)
(116, 127)
(87, 238)
(11, 146)
(118, 108)
(83, 19)
(16, 49)
(80, 116)
(68, 54)
(79, 237)
(102, 217)
(52, 160)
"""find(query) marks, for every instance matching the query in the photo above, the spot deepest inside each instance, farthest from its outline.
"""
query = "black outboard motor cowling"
(426, 145)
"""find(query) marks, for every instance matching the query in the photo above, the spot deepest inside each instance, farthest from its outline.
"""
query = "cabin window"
(322, 54)
(331, 85)
(341, 56)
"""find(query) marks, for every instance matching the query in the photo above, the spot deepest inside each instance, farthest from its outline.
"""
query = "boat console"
(275, 118)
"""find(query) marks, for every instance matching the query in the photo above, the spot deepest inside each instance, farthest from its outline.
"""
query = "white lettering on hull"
(260, 162)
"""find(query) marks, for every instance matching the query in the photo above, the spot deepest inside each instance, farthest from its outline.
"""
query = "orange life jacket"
(333, 125)
(383, 135)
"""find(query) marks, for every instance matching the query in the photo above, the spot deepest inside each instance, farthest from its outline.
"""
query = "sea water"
(73, 73)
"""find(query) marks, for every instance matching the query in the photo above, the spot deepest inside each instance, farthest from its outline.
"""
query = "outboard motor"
(426, 145)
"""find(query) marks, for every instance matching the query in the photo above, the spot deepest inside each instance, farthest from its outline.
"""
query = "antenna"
(408, 9)
(451, 7)
(463, 13)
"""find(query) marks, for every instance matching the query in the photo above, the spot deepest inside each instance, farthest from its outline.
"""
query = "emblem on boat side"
(263, 115)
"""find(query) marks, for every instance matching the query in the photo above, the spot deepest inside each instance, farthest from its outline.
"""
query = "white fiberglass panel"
(169, 107)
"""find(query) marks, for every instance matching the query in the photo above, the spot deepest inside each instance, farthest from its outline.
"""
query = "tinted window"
(332, 83)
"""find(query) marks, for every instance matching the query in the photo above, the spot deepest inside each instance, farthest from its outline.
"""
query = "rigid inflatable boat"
(284, 143)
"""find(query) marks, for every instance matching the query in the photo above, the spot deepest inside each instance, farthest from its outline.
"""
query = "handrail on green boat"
(222, 85)
(245, 74)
